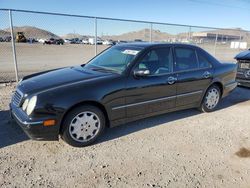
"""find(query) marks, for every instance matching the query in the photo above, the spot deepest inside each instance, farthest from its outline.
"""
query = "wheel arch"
(220, 85)
(217, 83)
(92, 103)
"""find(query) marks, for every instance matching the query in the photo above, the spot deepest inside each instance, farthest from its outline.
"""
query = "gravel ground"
(181, 149)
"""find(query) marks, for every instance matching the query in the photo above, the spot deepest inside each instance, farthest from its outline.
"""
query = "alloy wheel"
(212, 98)
(84, 126)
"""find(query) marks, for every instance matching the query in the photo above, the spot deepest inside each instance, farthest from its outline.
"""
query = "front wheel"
(83, 125)
(211, 99)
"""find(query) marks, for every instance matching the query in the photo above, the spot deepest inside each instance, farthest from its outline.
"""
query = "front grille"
(17, 98)
(245, 62)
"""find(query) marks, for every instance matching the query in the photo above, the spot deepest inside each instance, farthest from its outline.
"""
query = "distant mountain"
(33, 32)
(143, 34)
(74, 35)
(71, 36)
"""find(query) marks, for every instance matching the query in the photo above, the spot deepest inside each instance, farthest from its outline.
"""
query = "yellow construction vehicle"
(20, 37)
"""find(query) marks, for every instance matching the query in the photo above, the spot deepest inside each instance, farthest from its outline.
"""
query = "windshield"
(114, 59)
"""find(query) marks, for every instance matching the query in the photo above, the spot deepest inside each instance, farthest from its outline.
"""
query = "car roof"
(154, 44)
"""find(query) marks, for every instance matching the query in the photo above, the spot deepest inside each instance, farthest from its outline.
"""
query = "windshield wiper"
(103, 69)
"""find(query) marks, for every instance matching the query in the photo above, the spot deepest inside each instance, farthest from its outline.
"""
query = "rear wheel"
(211, 99)
(83, 125)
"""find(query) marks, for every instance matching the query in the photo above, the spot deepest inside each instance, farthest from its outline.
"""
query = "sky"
(211, 13)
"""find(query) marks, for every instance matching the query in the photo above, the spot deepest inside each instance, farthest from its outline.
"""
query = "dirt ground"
(181, 149)
(33, 58)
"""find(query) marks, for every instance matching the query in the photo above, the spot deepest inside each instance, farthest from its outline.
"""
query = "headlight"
(31, 105)
(25, 104)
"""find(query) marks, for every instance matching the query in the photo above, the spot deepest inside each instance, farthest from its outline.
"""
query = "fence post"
(151, 28)
(95, 36)
(215, 43)
(240, 35)
(241, 39)
(13, 45)
(189, 34)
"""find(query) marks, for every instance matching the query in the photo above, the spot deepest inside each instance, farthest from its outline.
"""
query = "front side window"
(186, 59)
(114, 59)
(157, 61)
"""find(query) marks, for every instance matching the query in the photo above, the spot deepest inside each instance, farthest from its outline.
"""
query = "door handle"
(206, 74)
(171, 80)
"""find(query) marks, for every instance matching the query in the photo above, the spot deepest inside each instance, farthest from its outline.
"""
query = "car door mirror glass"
(141, 72)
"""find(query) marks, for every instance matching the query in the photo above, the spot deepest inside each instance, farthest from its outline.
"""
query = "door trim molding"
(156, 100)
(191, 93)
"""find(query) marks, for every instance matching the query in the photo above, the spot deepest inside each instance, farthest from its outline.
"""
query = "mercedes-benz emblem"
(247, 74)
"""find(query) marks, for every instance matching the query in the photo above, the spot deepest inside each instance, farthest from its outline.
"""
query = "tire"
(83, 125)
(211, 99)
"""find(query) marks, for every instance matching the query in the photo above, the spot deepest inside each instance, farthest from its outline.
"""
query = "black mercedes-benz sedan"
(243, 73)
(124, 83)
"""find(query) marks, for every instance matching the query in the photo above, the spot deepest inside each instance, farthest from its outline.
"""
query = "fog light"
(49, 122)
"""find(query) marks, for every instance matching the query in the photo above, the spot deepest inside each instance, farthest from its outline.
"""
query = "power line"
(220, 4)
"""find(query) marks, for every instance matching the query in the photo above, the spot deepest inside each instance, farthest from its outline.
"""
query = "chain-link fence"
(37, 41)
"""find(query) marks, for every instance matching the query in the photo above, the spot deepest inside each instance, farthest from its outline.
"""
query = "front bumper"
(243, 82)
(33, 128)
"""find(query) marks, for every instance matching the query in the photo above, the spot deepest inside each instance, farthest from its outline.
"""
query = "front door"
(155, 92)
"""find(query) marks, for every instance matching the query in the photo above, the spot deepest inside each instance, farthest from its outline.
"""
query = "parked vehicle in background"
(92, 41)
(41, 41)
(121, 42)
(85, 41)
(31, 40)
(49, 41)
(59, 41)
(138, 40)
(243, 73)
(1, 39)
(124, 83)
(54, 41)
(75, 41)
(67, 40)
(20, 37)
(7, 39)
(108, 42)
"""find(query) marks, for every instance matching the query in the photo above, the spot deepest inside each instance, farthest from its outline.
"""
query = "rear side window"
(203, 61)
(186, 59)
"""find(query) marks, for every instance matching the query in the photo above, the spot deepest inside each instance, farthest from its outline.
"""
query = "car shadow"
(239, 95)
(10, 132)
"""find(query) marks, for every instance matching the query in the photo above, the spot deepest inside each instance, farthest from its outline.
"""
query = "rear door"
(194, 73)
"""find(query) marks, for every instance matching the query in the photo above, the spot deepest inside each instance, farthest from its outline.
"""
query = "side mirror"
(141, 72)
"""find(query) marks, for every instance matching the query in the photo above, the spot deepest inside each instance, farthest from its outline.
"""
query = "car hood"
(58, 78)
(243, 55)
